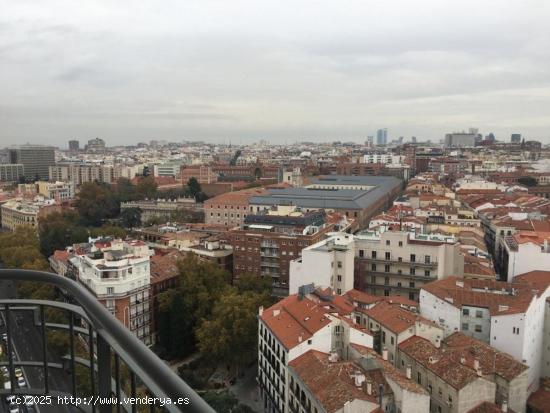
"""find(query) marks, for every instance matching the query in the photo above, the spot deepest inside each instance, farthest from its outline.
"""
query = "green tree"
(193, 186)
(230, 335)
(131, 217)
(225, 402)
(199, 285)
(108, 231)
(95, 203)
(253, 283)
(60, 230)
(125, 190)
(146, 188)
(187, 215)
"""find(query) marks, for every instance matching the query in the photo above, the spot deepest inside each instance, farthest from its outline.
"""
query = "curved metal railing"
(105, 333)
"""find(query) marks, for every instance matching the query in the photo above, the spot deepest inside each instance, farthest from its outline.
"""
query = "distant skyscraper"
(516, 138)
(370, 140)
(413, 139)
(36, 160)
(96, 145)
(74, 145)
(382, 136)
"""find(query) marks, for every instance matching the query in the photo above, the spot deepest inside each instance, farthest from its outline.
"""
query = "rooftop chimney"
(369, 388)
(276, 313)
(261, 310)
(385, 353)
(408, 372)
(359, 379)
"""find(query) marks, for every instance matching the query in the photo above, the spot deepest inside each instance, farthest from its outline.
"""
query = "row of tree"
(206, 313)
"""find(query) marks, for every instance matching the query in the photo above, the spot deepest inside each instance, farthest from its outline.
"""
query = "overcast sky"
(134, 70)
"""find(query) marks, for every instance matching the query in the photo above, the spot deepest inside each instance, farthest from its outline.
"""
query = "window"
(386, 293)
(388, 255)
(373, 267)
(339, 278)
(387, 242)
(361, 253)
(373, 280)
(478, 328)
(427, 259)
(386, 280)
(413, 258)
(411, 284)
(479, 314)
(309, 342)
(400, 243)
(465, 311)
(413, 271)
(391, 340)
(373, 254)
(339, 264)
(465, 327)
(515, 330)
(412, 297)
(384, 337)
(338, 291)
(426, 273)
(419, 378)
(386, 268)
(110, 290)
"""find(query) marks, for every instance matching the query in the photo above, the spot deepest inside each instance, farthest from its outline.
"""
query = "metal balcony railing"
(109, 346)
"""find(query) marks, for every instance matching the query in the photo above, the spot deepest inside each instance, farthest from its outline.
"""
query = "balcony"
(114, 363)
(393, 260)
(420, 277)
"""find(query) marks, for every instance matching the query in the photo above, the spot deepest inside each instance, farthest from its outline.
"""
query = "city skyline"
(218, 72)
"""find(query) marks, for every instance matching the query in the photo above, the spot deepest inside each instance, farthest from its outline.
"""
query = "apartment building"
(307, 338)
(321, 382)
(231, 208)
(462, 373)
(522, 252)
(36, 159)
(268, 242)
(400, 262)
(391, 324)
(18, 212)
(202, 173)
(328, 263)
(60, 191)
(11, 172)
(80, 173)
(508, 316)
(118, 273)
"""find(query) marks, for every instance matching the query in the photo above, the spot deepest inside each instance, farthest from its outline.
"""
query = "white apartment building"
(19, 212)
(289, 329)
(385, 158)
(118, 273)
(328, 263)
(509, 317)
(400, 262)
(522, 252)
(60, 191)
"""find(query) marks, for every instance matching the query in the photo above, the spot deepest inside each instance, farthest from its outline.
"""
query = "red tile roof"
(293, 320)
(332, 383)
(484, 293)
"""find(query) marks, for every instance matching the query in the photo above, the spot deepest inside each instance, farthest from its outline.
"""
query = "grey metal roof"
(328, 198)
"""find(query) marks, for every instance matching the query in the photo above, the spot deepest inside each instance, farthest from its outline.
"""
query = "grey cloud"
(283, 71)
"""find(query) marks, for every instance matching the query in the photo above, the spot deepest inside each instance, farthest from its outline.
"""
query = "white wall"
(529, 257)
(440, 311)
